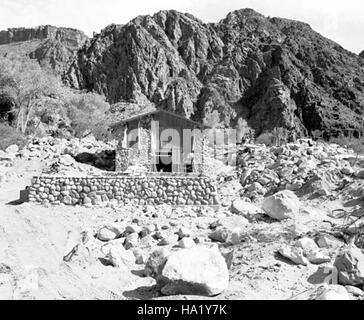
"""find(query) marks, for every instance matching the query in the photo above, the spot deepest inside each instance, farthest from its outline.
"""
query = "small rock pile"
(7, 158)
(179, 261)
(305, 167)
(58, 154)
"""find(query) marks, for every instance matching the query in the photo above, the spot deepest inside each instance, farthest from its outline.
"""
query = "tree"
(26, 84)
(212, 119)
(244, 131)
(89, 114)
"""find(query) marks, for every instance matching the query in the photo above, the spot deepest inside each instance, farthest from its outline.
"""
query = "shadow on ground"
(143, 293)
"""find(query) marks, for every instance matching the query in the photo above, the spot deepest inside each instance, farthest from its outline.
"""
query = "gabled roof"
(153, 112)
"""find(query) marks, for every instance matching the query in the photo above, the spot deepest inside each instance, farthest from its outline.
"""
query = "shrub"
(88, 113)
(212, 119)
(10, 136)
(25, 83)
(266, 138)
(357, 144)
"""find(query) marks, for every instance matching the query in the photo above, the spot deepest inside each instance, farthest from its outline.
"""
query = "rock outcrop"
(271, 72)
(49, 45)
(70, 37)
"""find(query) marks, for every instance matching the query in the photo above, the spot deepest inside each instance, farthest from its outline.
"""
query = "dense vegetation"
(33, 101)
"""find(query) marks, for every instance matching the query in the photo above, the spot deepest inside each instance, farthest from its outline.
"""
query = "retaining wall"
(184, 190)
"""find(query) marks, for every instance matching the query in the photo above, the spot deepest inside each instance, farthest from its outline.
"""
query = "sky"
(339, 20)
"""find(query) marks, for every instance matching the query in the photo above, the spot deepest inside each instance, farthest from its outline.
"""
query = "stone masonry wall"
(123, 190)
(121, 159)
(139, 154)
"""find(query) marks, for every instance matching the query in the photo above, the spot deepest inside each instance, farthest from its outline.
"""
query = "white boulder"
(294, 254)
(186, 243)
(245, 209)
(333, 292)
(12, 149)
(105, 234)
(307, 244)
(318, 257)
(196, 271)
(282, 205)
(350, 265)
(229, 229)
(120, 257)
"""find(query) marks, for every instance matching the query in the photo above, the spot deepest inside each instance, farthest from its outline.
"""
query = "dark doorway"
(189, 168)
(164, 162)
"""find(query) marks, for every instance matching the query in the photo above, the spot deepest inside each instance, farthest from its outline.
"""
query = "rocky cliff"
(50, 45)
(70, 37)
(271, 72)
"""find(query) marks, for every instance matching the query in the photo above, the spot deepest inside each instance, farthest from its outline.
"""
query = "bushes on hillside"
(10, 136)
(88, 114)
(274, 138)
(357, 144)
(26, 84)
(40, 104)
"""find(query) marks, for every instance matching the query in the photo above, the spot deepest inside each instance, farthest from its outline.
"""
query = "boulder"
(131, 241)
(307, 244)
(360, 174)
(354, 291)
(245, 209)
(350, 266)
(195, 271)
(186, 243)
(325, 241)
(168, 238)
(120, 257)
(156, 262)
(140, 256)
(282, 205)
(12, 149)
(105, 234)
(148, 230)
(118, 228)
(324, 274)
(229, 229)
(184, 232)
(317, 257)
(348, 171)
(294, 254)
(332, 292)
(133, 228)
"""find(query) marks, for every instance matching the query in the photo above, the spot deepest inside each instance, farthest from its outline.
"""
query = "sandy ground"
(34, 239)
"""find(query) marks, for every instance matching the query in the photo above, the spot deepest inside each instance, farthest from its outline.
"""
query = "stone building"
(157, 141)
(160, 141)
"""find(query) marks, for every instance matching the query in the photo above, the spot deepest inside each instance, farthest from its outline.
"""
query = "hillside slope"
(273, 72)
(50, 46)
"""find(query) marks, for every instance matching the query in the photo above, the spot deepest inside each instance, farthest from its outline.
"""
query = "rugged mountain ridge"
(271, 72)
(71, 37)
(49, 45)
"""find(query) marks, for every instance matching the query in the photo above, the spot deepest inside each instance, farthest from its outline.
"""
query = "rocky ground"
(289, 227)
